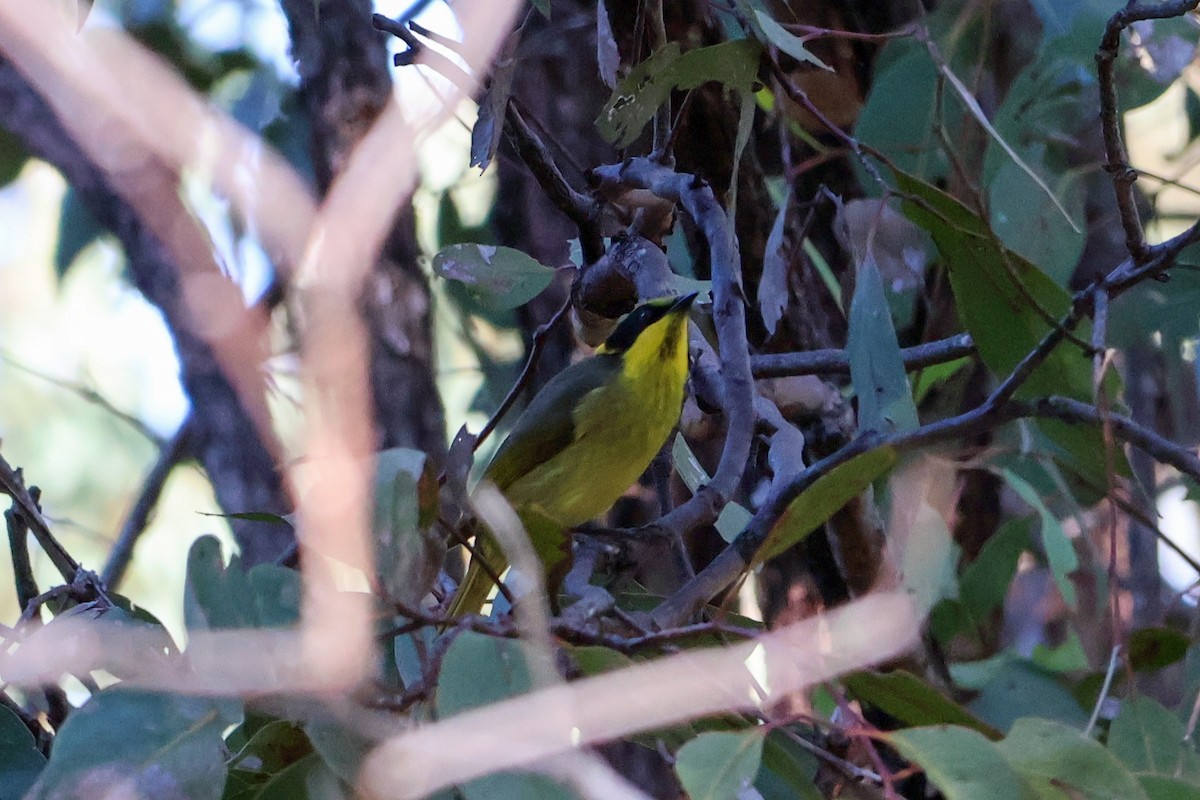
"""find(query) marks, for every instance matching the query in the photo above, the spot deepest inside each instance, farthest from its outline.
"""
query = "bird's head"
(654, 333)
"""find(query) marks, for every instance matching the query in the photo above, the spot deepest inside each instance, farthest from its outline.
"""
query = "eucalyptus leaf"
(608, 57)
(489, 124)
(154, 745)
(719, 765)
(20, 760)
(885, 401)
(1146, 737)
(1049, 753)
(1005, 301)
(408, 552)
(912, 701)
(825, 498)
(961, 763)
(77, 229)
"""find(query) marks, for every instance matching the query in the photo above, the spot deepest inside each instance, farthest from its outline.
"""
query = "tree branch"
(1117, 160)
(837, 362)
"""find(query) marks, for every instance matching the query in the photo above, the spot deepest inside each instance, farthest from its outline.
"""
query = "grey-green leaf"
(885, 401)
(478, 670)
(786, 41)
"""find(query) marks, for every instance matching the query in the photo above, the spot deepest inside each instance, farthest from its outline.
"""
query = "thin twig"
(88, 395)
(139, 516)
(12, 485)
(535, 353)
(581, 209)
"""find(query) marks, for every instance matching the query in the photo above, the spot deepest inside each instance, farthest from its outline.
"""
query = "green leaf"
(787, 770)
(140, 744)
(995, 291)
(825, 498)
(594, 659)
(900, 111)
(1161, 787)
(985, 581)
(649, 85)
(77, 228)
(1049, 753)
(734, 517)
(216, 596)
(219, 597)
(479, 670)
(408, 553)
(885, 401)
(20, 760)
(499, 276)
(773, 283)
(271, 749)
(542, 6)
(961, 763)
(1028, 221)
(1060, 553)
(1066, 657)
(1010, 688)
(1146, 737)
(718, 766)
(929, 378)
(912, 701)
(276, 592)
(785, 40)
(1156, 647)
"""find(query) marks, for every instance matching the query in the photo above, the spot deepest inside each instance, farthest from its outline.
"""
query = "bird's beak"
(684, 302)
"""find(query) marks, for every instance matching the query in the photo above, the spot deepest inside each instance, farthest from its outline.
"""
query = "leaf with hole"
(640, 94)
(499, 276)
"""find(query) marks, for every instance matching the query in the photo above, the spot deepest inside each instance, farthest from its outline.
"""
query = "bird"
(585, 438)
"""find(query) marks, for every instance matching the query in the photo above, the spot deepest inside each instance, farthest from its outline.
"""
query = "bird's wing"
(547, 425)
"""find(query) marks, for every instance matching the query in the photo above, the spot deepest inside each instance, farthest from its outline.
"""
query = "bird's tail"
(477, 583)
